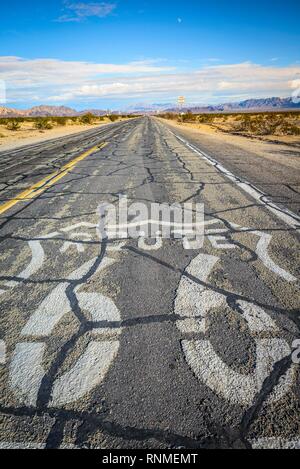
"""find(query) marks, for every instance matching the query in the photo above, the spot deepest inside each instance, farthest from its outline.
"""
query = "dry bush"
(269, 124)
(113, 117)
(13, 124)
(61, 121)
(87, 119)
(206, 118)
(43, 123)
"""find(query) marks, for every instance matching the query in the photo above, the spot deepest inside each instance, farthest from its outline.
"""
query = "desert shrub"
(166, 115)
(43, 123)
(206, 118)
(268, 124)
(288, 129)
(62, 121)
(74, 119)
(13, 124)
(170, 115)
(188, 117)
(245, 124)
(113, 117)
(87, 119)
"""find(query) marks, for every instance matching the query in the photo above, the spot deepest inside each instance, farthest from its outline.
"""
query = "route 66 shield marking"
(194, 303)
(26, 370)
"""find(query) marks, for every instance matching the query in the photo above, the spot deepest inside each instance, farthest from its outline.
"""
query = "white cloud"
(79, 11)
(55, 81)
(2, 92)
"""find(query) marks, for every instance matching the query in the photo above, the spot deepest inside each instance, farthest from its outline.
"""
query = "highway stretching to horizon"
(148, 343)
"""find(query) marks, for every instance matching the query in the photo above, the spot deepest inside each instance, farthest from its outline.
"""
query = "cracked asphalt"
(133, 344)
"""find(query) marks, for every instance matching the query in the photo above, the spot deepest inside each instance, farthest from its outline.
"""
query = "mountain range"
(263, 104)
(47, 111)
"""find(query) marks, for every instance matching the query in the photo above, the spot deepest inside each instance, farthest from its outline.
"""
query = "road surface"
(142, 343)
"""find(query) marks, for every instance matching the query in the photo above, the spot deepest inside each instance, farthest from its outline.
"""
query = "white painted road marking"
(2, 352)
(283, 214)
(21, 445)
(86, 374)
(276, 443)
(37, 260)
(56, 304)
(26, 370)
(262, 252)
(194, 302)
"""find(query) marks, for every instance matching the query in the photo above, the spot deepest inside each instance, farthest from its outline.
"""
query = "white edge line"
(283, 214)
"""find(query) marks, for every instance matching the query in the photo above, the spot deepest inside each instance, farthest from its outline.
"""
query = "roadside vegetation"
(19, 129)
(15, 124)
(256, 124)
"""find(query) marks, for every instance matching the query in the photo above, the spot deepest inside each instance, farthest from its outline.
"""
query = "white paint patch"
(275, 443)
(257, 319)
(86, 374)
(212, 371)
(194, 303)
(220, 242)
(26, 372)
(272, 351)
(197, 244)
(56, 304)
(79, 225)
(235, 387)
(284, 215)
(38, 257)
(101, 309)
(262, 252)
(37, 260)
(2, 352)
(150, 247)
(117, 247)
(22, 446)
(49, 313)
(80, 247)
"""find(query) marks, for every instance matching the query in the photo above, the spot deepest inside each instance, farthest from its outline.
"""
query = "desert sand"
(29, 135)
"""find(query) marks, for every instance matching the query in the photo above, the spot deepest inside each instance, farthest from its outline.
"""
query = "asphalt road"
(137, 344)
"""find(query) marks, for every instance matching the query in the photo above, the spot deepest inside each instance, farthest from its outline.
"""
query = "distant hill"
(148, 108)
(95, 112)
(7, 112)
(50, 111)
(263, 104)
(46, 111)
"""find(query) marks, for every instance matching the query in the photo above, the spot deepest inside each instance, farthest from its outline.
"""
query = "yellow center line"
(49, 180)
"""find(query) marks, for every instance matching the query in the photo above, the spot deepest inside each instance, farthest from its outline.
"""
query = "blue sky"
(119, 52)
